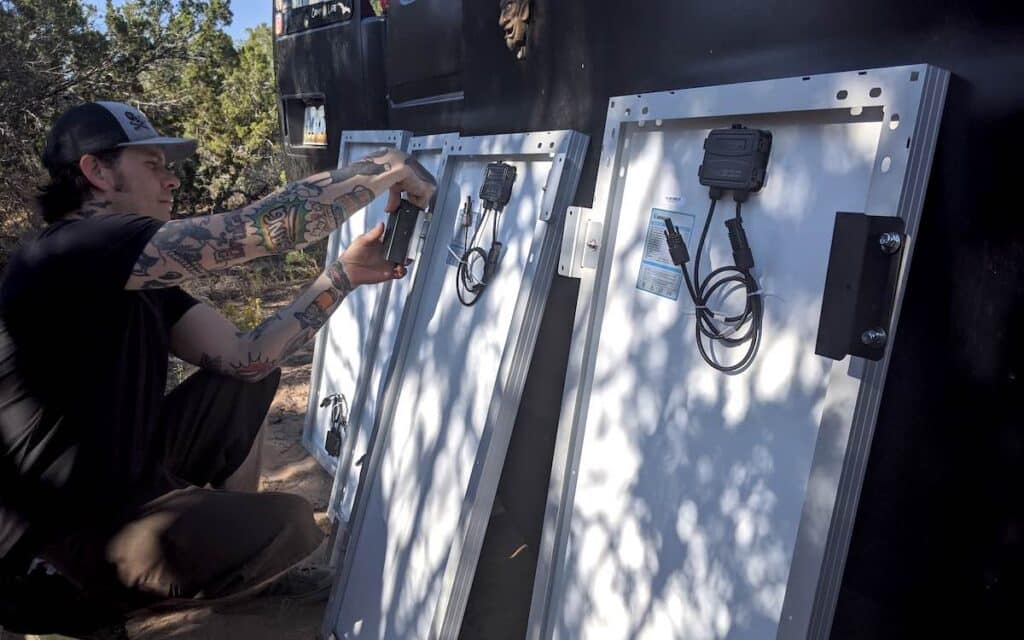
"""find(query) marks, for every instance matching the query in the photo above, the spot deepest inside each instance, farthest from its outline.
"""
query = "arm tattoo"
(231, 240)
(315, 315)
(255, 369)
(283, 221)
(279, 220)
(299, 214)
(347, 204)
(339, 279)
(143, 265)
(257, 333)
(420, 171)
(278, 337)
(297, 341)
(206, 361)
(358, 168)
(280, 225)
(184, 243)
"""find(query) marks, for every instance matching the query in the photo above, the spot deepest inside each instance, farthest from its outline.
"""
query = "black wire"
(734, 331)
(467, 287)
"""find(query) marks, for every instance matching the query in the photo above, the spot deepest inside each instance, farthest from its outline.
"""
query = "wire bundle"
(467, 285)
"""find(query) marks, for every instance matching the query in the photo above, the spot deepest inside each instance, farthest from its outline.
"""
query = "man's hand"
(414, 180)
(364, 260)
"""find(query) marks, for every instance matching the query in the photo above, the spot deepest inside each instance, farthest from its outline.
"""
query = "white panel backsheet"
(429, 151)
(685, 521)
(414, 506)
(694, 502)
(342, 343)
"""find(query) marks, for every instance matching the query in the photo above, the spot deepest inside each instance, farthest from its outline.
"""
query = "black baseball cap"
(104, 126)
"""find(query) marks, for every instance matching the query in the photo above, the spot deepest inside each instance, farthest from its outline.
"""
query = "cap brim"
(175, 149)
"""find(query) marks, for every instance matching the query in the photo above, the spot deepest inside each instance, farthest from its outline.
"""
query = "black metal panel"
(341, 66)
(444, 116)
(424, 52)
(938, 549)
(374, 88)
(424, 61)
(860, 286)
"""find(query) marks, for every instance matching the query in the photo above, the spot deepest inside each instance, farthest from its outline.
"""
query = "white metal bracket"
(581, 242)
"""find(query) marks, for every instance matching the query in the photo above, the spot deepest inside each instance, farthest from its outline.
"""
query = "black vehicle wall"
(339, 65)
(938, 548)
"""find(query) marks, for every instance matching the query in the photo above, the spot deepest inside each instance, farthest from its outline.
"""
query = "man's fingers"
(421, 201)
(394, 199)
(374, 234)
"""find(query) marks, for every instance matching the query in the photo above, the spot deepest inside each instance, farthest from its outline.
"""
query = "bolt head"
(890, 242)
(874, 337)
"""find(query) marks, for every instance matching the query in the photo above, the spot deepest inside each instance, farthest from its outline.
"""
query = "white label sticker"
(657, 273)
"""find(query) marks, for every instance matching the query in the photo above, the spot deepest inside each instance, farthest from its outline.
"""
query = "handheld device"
(401, 227)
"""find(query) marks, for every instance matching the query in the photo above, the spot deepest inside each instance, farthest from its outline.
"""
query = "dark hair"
(68, 188)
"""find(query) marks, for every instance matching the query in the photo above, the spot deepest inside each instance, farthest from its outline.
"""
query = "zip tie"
(730, 330)
(457, 257)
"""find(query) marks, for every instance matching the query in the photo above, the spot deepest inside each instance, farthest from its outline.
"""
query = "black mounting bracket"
(860, 288)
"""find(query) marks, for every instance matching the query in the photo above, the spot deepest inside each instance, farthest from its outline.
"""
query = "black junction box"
(735, 159)
(496, 190)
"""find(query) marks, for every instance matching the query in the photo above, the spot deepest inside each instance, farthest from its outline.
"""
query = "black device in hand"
(401, 226)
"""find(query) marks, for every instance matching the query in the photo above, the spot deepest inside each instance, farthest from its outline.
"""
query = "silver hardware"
(890, 242)
(874, 337)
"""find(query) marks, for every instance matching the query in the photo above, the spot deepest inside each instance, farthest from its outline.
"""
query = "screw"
(890, 242)
(874, 337)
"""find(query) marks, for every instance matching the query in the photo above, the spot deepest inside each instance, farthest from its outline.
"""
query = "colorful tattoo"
(339, 279)
(279, 227)
(255, 369)
(346, 205)
(295, 216)
(184, 243)
(315, 315)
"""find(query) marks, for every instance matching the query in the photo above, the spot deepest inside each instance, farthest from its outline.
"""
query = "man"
(102, 476)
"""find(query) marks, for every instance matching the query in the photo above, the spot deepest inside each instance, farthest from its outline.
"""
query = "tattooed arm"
(301, 213)
(205, 338)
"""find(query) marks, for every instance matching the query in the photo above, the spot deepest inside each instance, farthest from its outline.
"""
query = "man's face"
(514, 15)
(142, 184)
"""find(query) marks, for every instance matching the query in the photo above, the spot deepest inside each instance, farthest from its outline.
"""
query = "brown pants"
(192, 542)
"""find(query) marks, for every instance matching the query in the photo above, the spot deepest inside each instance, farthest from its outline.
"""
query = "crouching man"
(126, 492)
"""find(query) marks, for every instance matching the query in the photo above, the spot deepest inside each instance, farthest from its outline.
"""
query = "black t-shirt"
(83, 365)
